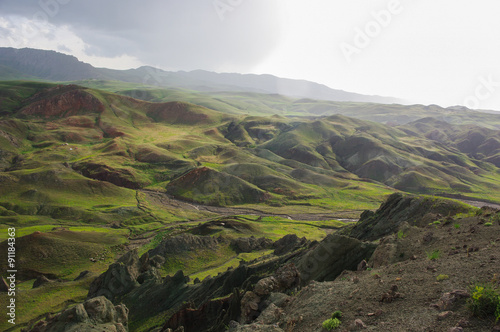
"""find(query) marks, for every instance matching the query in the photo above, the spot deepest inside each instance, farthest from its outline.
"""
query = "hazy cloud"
(171, 34)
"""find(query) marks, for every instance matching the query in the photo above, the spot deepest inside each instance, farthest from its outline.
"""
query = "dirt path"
(480, 204)
(168, 200)
(471, 201)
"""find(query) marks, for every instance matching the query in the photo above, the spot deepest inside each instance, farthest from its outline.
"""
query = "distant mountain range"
(29, 63)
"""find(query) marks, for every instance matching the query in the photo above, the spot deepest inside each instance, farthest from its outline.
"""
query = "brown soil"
(469, 253)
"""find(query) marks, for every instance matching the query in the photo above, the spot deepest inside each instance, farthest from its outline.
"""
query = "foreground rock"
(415, 210)
(128, 273)
(333, 255)
(94, 315)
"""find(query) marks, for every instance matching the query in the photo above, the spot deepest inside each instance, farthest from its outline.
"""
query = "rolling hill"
(88, 175)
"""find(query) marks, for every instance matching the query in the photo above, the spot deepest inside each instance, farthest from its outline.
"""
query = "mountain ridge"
(55, 66)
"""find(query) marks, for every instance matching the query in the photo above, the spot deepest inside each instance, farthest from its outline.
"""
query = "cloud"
(22, 32)
(169, 34)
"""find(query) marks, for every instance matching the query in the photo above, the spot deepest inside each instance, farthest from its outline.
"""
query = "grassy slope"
(307, 166)
(264, 104)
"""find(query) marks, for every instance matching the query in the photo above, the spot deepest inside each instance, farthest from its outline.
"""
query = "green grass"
(22, 231)
(196, 261)
(34, 303)
(67, 253)
(231, 263)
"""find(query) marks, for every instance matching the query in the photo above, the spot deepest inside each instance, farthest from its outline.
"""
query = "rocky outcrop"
(333, 255)
(399, 208)
(249, 244)
(288, 243)
(128, 273)
(252, 304)
(94, 315)
(211, 313)
(42, 280)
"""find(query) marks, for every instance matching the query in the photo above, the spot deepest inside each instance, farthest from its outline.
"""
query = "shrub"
(337, 314)
(331, 324)
(442, 277)
(433, 255)
(485, 301)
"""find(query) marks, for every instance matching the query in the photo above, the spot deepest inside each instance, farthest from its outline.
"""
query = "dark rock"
(82, 275)
(270, 315)
(428, 237)
(249, 306)
(447, 300)
(399, 208)
(208, 314)
(4, 287)
(287, 277)
(444, 315)
(265, 286)
(41, 280)
(391, 295)
(455, 329)
(123, 276)
(288, 243)
(358, 323)
(233, 324)
(249, 244)
(362, 266)
(278, 299)
(331, 256)
(94, 315)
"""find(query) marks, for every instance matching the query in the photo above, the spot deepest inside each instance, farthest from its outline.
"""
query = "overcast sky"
(444, 52)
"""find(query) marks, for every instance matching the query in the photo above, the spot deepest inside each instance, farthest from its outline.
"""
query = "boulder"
(125, 275)
(41, 280)
(94, 315)
(333, 255)
(249, 244)
(288, 243)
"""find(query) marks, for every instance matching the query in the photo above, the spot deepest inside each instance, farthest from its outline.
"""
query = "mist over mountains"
(50, 65)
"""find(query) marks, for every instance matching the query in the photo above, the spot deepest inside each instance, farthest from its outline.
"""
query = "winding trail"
(168, 200)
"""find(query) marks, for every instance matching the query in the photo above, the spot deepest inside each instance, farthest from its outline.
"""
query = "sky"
(444, 52)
